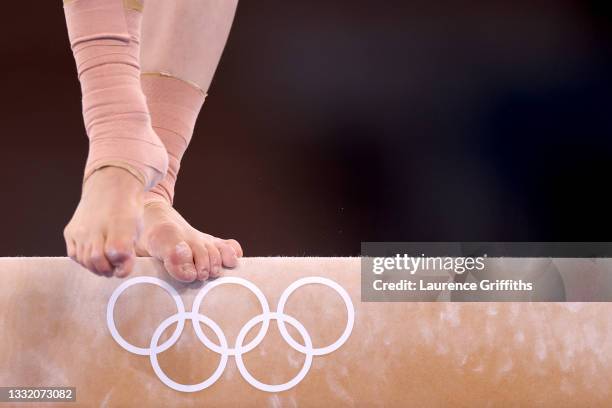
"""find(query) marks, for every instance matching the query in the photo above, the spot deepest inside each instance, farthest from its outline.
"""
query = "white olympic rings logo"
(223, 349)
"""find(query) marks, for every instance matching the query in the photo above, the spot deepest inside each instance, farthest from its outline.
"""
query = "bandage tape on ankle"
(174, 105)
(104, 35)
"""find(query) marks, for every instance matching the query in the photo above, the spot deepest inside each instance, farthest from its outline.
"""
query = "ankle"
(154, 198)
(111, 177)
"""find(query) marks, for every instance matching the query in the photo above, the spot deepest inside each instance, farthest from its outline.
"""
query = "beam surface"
(53, 332)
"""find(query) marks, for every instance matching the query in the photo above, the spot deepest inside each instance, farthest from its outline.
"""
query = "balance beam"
(53, 332)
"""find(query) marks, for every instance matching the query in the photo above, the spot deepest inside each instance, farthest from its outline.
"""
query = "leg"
(125, 155)
(182, 44)
(185, 38)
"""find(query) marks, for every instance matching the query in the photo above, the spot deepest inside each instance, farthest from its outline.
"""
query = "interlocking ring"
(265, 309)
(154, 351)
(110, 321)
(349, 307)
(223, 348)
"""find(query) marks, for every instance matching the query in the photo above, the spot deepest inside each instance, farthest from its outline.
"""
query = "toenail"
(120, 271)
(216, 269)
(188, 270)
(182, 248)
(116, 253)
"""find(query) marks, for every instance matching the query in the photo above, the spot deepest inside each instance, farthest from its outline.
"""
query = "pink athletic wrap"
(104, 36)
(174, 105)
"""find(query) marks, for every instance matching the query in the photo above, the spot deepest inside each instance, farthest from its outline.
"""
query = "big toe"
(179, 262)
(166, 244)
(119, 251)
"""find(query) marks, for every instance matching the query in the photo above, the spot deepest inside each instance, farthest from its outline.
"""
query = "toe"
(125, 268)
(215, 259)
(71, 248)
(165, 243)
(200, 257)
(234, 244)
(119, 251)
(85, 258)
(81, 251)
(179, 262)
(228, 253)
(98, 259)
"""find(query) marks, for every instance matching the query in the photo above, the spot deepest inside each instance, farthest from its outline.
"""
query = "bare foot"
(187, 253)
(103, 230)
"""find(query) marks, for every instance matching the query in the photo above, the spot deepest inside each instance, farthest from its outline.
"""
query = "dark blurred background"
(335, 122)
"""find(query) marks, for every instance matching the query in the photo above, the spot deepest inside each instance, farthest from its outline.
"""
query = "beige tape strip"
(127, 4)
(133, 5)
(168, 75)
